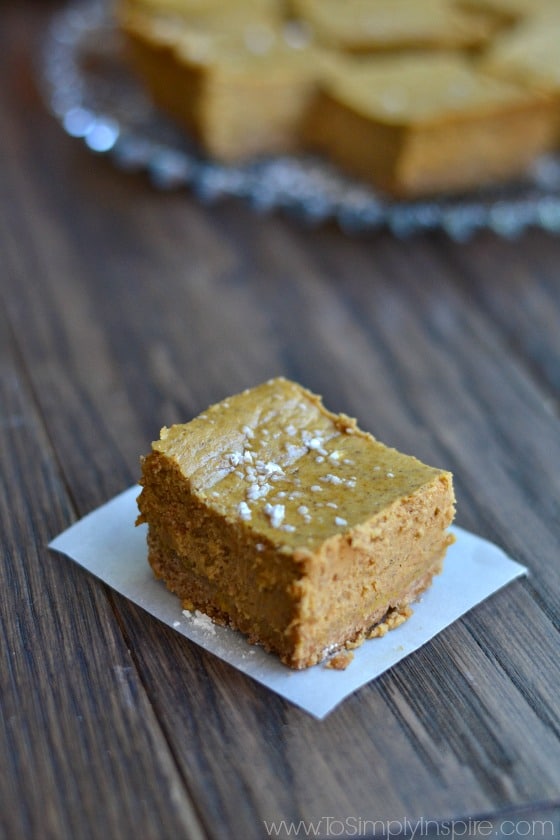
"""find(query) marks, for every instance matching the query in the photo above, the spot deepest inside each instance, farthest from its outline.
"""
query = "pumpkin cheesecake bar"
(272, 514)
(424, 124)
(240, 83)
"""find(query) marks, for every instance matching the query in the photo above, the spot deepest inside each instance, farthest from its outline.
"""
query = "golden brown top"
(530, 53)
(238, 41)
(358, 25)
(275, 459)
(417, 89)
(199, 9)
(511, 9)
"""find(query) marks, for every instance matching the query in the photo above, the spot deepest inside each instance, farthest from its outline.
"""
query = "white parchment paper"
(107, 543)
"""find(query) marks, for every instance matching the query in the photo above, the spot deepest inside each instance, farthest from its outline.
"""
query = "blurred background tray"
(96, 99)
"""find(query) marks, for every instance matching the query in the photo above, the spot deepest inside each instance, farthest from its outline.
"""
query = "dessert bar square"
(272, 514)
(240, 85)
(419, 125)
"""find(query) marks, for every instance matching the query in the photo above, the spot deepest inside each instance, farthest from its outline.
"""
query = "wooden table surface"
(124, 309)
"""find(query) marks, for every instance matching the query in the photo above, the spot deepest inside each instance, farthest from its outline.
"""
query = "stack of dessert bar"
(416, 97)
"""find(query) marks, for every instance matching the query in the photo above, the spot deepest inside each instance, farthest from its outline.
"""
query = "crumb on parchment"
(340, 661)
(393, 619)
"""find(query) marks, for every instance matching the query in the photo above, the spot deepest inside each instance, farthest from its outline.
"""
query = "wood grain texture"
(125, 309)
(73, 705)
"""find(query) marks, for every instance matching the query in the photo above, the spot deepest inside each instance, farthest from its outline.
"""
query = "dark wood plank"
(77, 726)
(223, 706)
(81, 749)
(530, 290)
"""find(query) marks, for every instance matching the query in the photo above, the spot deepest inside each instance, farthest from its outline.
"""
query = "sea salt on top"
(275, 513)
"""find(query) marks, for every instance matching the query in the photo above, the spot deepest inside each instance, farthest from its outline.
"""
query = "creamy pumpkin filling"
(272, 514)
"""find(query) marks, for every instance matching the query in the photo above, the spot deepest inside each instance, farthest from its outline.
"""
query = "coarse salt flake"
(294, 451)
(275, 513)
(311, 440)
(268, 468)
(257, 491)
(329, 478)
(244, 511)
